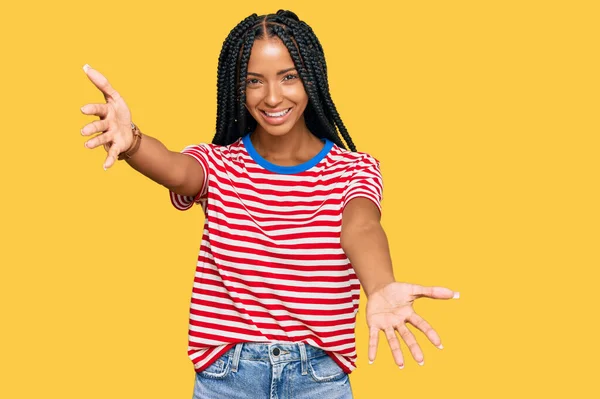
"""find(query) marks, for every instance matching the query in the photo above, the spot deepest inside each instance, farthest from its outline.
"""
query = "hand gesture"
(114, 125)
(390, 307)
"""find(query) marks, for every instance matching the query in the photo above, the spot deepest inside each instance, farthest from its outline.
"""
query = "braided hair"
(233, 119)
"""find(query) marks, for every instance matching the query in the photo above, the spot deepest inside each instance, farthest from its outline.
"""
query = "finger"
(433, 292)
(426, 328)
(395, 346)
(101, 139)
(373, 343)
(98, 126)
(101, 83)
(100, 110)
(113, 153)
(409, 338)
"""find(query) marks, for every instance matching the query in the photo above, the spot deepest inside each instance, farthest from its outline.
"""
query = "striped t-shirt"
(271, 267)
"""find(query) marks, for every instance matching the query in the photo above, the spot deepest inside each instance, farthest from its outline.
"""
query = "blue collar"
(287, 170)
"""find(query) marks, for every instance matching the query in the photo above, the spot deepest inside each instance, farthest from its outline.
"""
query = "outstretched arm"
(389, 303)
(178, 172)
(365, 244)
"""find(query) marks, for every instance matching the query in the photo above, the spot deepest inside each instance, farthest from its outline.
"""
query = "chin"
(280, 130)
(276, 130)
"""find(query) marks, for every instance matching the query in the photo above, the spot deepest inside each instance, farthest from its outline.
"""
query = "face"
(275, 95)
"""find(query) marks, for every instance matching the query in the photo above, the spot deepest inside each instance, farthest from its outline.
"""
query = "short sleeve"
(201, 153)
(366, 182)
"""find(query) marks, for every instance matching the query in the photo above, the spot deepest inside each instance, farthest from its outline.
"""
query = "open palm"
(114, 125)
(391, 307)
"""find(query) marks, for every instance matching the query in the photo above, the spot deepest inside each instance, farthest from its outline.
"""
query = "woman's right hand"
(114, 125)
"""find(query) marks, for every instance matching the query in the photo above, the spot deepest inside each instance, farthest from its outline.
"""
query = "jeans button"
(276, 352)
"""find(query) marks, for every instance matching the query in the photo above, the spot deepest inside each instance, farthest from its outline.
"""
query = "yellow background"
(484, 115)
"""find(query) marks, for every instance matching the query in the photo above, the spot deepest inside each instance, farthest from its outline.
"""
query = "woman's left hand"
(390, 307)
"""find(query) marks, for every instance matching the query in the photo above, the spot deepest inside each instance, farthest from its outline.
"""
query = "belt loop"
(303, 358)
(236, 357)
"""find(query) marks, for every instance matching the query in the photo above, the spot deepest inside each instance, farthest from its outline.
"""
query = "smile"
(276, 114)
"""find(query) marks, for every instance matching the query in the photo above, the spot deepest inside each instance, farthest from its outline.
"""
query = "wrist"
(135, 145)
(373, 288)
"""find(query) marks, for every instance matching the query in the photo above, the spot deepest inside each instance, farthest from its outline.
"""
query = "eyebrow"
(278, 73)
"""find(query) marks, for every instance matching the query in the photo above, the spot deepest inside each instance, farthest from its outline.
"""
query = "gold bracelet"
(137, 139)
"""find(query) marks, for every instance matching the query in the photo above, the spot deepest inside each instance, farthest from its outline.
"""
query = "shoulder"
(356, 159)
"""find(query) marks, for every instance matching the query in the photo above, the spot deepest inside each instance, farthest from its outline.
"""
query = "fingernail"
(86, 67)
(456, 295)
(401, 367)
(104, 167)
(370, 361)
(422, 363)
(82, 109)
(441, 346)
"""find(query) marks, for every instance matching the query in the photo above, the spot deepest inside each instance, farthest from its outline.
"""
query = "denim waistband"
(275, 352)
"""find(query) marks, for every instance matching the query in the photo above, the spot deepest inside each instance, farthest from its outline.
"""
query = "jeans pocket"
(324, 369)
(218, 369)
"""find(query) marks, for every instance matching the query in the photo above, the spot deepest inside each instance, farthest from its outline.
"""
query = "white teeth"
(276, 114)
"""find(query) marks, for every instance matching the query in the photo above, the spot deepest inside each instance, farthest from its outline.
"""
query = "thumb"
(434, 292)
(113, 153)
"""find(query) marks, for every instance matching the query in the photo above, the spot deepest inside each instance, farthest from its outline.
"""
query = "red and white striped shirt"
(271, 267)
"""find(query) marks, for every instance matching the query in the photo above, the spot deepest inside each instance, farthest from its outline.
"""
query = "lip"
(272, 111)
(276, 120)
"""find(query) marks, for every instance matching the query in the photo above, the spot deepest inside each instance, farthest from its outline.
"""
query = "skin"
(273, 84)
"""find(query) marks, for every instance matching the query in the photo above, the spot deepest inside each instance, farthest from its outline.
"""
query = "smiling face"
(275, 95)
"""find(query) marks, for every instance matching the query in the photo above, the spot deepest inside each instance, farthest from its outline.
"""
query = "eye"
(290, 76)
(252, 82)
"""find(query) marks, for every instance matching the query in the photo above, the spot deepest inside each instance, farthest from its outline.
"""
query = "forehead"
(269, 55)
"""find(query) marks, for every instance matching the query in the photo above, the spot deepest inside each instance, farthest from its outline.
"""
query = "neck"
(289, 146)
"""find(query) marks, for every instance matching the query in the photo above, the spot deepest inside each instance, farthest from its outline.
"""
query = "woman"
(292, 226)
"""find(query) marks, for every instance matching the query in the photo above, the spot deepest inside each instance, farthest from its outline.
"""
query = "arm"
(365, 243)
(179, 172)
(389, 306)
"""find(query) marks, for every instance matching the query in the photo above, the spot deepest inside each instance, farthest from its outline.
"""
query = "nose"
(274, 95)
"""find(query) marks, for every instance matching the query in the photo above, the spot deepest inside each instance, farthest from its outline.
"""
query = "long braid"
(313, 44)
(233, 119)
(309, 56)
(243, 68)
(226, 79)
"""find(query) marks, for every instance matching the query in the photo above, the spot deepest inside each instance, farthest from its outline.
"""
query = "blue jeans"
(254, 370)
